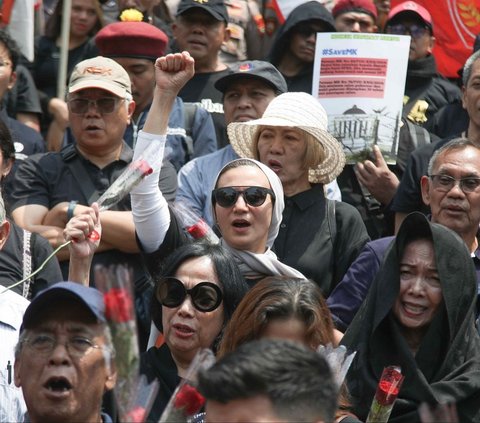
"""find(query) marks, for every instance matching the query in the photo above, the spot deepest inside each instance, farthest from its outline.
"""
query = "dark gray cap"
(254, 69)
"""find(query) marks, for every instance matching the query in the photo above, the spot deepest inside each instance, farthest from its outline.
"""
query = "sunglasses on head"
(253, 196)
(205, 296)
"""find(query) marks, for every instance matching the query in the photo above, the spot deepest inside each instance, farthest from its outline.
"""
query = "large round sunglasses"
(253, 196)
(205, 296)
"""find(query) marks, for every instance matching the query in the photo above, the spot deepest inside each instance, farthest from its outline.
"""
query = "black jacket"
(424, 83)
(309, 11)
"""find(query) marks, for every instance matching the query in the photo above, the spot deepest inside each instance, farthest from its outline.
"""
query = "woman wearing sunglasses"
(318, 237)
(247, 200)
(196, 293)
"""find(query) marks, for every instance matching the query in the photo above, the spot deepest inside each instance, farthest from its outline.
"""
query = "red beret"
(363, 6)
(131, 39)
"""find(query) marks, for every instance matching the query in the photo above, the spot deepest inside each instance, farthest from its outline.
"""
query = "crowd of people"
(248, 234)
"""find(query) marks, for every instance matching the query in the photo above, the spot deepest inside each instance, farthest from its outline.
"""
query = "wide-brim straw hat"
(296, 110)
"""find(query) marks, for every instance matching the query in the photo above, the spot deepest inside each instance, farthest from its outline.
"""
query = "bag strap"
(27, 263)
(189, 110)
(73, 161)
(331, 220)
(414, 131)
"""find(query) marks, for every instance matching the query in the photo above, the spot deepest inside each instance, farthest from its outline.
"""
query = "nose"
(355, 27)
(243, 102)
(186, 309)
(456, 190)
(312, 38)
(276, 145)
(92, 108)
(59, 355)
(417, 285)
(240, 204)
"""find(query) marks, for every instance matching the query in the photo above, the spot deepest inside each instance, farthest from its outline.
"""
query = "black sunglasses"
(253, 196)
(206, 296)
(306, 31)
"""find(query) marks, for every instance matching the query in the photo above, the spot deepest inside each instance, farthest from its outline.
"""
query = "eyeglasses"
(416, 31)
(306, 31)
(445, 183)
(206, 296)
(104, 105)
(253, 196)
(77, 346)
(4, 63)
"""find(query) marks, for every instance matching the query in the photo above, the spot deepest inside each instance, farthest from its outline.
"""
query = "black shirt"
(321, 248)
(200, 89)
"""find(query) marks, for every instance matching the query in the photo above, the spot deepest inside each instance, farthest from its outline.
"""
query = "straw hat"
(301, 111)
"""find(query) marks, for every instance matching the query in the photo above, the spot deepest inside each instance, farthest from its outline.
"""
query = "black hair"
(297, 380)
(11, 46)
(6, 142)
(231, 280)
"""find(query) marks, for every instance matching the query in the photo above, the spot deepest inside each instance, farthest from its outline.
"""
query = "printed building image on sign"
(360, 80)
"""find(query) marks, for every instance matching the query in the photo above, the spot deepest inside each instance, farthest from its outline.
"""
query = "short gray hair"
(467, 67)
(455, 144)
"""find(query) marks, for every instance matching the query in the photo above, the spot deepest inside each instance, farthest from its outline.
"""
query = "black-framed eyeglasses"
(253, 196)
(416, 31)
(77, 346)
(206, 296)
(445, 183)
(104, 105)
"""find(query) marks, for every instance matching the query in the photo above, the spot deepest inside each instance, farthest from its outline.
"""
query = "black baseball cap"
(254, 69)
(91, 298)
(216, 8)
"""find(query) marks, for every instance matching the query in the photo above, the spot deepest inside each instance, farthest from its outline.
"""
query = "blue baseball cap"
(91, 298)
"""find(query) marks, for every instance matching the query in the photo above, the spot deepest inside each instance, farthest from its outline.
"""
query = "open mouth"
(58, 384)
(274, 165)
(240, 224)
(414, 309)
(184, 329)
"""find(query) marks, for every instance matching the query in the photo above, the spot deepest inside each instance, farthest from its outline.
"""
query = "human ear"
(425, 186)
(16, 373)
(4, 232)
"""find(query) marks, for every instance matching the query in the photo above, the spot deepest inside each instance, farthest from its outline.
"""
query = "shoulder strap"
(27, 263)
(73, 161)
(189, 110)
(331, 220)
(419, 135)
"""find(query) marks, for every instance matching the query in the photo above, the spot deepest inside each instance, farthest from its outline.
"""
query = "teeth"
(414, 309)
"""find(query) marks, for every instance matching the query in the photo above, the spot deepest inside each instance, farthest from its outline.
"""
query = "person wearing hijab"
(419, 315)
(247, 199)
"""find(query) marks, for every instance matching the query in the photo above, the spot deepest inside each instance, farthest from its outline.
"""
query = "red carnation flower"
(118, 305)
(189, 399)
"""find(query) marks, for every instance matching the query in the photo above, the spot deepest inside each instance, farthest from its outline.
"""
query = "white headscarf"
(253, 265)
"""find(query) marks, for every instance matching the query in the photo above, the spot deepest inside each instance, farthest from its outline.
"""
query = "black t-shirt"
(12, 262)
(200, 89)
